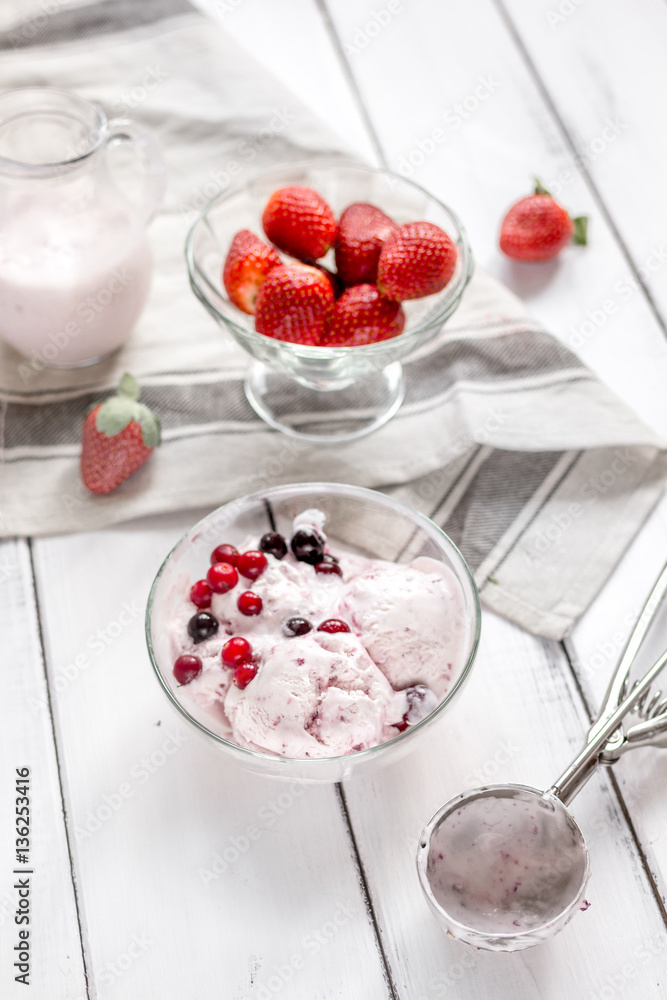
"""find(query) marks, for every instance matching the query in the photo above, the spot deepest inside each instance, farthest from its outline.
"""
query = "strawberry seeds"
(379, 265)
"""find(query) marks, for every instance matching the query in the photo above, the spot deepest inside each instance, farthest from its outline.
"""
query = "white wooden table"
(145, 882)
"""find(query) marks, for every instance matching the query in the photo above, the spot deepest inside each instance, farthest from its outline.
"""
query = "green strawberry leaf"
(114, 415)
(128, 387)
(539, 187)
(117, 412)
(150, 426)
(580, 236)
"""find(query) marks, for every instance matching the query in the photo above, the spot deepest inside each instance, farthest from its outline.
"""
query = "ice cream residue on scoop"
(506, 864)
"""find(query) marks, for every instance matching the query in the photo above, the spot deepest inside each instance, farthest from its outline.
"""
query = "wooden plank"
(488, 141)
(519, 720)
(56, 967)
(457, 110)
(595, 646)
(295, 47)
(615, 57)
(197, 879)
(189, 807)
(618, 133)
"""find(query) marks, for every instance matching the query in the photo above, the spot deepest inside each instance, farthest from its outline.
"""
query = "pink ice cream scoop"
(410, 619)
(316, 651)
(319, 695)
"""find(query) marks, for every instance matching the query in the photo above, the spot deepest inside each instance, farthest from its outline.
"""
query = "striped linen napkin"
(537, 471)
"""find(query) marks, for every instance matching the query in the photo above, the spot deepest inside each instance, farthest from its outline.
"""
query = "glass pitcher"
(75, 263)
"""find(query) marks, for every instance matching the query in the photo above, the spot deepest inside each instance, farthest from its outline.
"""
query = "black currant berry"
(296, 626)
(274, 544)
(202, 626)
(307, 546)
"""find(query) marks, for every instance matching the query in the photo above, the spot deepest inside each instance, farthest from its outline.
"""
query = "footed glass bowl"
(362, 520)
(324, 394)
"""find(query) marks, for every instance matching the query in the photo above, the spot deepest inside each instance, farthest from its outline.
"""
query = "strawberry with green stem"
(119, 436)
(537, 228)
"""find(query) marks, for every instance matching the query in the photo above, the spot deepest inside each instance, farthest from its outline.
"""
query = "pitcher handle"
(148, 151)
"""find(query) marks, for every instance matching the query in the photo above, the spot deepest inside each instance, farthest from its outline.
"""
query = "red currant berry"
(226, 554)
(328, 568)
(200, 594)
(249, 603)
(333, 625)
(186, 668)
(252, 564)
(244, 674)
(236, 651)
(222, 577)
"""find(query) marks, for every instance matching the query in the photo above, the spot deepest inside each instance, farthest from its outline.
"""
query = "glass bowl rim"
(369, 350)
(361, 492)
(424, 848)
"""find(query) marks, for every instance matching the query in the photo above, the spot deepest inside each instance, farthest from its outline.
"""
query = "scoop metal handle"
(607, 740)
(577, 774)
(619, 681)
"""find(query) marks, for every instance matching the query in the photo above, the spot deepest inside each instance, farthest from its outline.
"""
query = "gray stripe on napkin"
(478, 521)
(176, 406)
(107, 17)
(558, 561)
(508, 355)
(493, 362)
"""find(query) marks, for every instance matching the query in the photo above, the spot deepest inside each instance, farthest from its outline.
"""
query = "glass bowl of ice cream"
(311, 630)
(314, 388)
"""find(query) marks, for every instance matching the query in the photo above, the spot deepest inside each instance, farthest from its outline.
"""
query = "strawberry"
(118, 437)
(295, 304)
(361, 232)
(538, 228)
(247, 264)
(417, 259)
(299, 222)
(363, 316)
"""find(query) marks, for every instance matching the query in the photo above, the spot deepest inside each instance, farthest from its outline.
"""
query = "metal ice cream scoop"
(504, 867)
